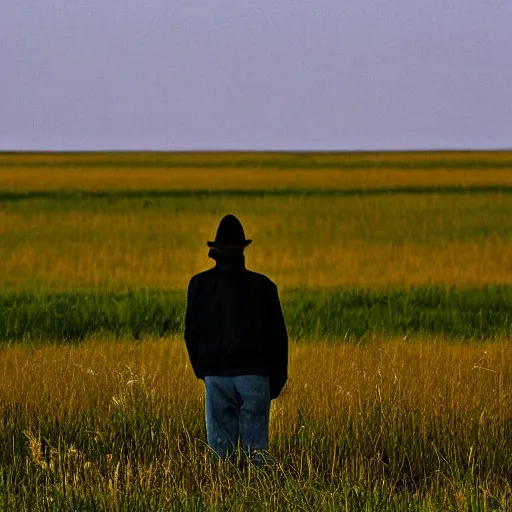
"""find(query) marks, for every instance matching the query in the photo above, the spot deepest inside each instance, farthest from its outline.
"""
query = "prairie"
(334, 315)
(388, 426)
(362, 241)
(167, 172)
(317, 220)
(395, 275)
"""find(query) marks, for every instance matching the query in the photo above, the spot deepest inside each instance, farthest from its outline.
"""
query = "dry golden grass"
(299, 241)
(108, 179)
(386, 426)
(136, 172)
(155, 242)
(335, 386)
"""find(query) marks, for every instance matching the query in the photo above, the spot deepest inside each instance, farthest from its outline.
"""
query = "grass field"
(391, 426)
(259, 173)
(350, 315)
(395, 272)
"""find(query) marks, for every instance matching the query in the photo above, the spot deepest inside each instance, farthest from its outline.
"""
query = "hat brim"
(217, 244)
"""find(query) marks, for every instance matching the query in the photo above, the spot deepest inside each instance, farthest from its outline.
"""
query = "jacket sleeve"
(279, 346)
(191, 340)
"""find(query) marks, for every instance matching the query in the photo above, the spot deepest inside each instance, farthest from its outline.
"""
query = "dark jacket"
(234, 325)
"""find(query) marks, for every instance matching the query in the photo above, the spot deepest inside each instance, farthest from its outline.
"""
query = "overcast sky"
(266, 74)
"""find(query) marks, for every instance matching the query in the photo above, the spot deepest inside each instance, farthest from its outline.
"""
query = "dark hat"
(230, 233)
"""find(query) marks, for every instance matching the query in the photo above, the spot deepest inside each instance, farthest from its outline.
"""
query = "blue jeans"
(237, 410)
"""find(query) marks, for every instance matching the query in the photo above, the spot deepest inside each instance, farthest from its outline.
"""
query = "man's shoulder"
(261, 279)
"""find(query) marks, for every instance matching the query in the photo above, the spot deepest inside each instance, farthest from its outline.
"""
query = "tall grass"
(389, 426)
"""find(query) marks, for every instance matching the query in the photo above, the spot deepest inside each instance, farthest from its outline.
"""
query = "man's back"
(235, 326)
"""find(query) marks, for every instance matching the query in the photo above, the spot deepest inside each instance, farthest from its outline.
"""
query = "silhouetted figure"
(237, 343)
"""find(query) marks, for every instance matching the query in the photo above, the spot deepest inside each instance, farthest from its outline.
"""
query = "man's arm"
(279, 346)
(190, 333)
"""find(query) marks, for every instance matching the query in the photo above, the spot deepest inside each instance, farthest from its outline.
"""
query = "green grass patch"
(331, 314)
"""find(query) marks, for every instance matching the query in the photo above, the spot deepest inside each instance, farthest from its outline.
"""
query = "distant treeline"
(352, 315)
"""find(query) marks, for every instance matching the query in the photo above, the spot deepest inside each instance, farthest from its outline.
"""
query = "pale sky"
(266, 74)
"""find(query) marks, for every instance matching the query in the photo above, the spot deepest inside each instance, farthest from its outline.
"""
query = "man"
(237, 343)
